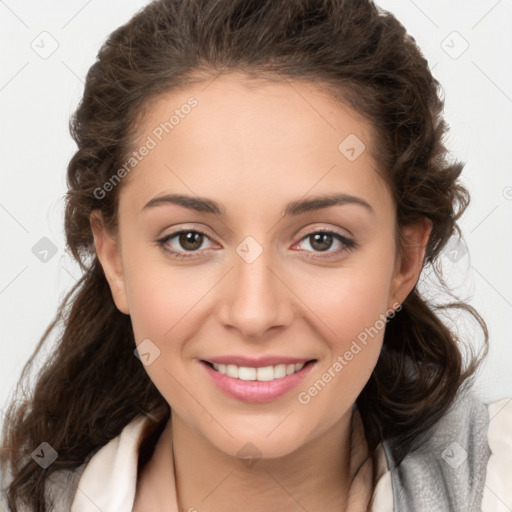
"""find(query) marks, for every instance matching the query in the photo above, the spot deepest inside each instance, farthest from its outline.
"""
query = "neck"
(328, 473)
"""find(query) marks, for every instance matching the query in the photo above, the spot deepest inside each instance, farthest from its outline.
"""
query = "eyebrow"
(205, 205)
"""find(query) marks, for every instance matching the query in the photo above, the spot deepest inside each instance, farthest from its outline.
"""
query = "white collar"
(109, 480)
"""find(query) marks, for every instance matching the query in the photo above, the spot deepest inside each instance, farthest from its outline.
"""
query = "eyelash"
(348, 244)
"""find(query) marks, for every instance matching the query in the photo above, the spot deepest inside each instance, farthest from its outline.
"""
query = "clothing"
(464, 464)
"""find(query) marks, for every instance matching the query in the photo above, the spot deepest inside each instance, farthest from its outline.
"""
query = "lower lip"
(255, 390)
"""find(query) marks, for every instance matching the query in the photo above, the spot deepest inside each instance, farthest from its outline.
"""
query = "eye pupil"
(191, 237)
(324, 241)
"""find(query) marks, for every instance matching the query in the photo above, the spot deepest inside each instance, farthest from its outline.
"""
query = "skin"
(253, 147)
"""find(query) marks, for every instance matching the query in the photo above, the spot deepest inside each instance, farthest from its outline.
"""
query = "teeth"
(265, 373)
(231, 370)
(246, 373)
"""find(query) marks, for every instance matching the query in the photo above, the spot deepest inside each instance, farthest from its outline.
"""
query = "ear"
(410, 260)
(109, 255)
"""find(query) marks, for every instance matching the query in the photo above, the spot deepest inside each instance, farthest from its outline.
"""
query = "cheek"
(350, 310)
(349, 303)
(351, 321)
(162, 297)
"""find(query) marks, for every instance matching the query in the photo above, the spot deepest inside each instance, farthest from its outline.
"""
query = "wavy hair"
(91, 385)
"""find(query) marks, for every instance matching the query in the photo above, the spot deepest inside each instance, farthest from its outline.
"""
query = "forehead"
(240, 135)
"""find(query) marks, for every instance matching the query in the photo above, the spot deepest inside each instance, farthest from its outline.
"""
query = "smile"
(257, 383)
(265, 373)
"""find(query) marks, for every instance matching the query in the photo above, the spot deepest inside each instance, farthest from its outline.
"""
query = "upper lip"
(256, 362)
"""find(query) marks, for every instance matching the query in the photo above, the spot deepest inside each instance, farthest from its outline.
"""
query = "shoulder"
(448, 470)
(61, 487)
(497, 495)
(114, 463)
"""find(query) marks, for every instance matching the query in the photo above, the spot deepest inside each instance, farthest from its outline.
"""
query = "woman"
(256, 191)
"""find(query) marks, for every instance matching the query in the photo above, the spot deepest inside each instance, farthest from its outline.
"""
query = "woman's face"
(254, 277)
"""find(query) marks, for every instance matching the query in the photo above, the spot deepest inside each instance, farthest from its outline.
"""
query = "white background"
(37, 97)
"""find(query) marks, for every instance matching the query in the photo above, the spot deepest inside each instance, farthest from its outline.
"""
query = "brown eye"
(321, 241)
(185, 243)
(191, 240)
(329, 242)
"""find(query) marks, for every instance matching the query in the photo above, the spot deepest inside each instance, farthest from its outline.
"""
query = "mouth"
(257, 384)
(267, 373)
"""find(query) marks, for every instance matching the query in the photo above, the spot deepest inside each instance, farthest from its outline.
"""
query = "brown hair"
(92, 386)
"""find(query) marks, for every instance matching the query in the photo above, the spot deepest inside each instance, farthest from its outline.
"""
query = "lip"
(256, 362)
(254, 391)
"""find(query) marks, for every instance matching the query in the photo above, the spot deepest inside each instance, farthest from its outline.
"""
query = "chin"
(262, 443)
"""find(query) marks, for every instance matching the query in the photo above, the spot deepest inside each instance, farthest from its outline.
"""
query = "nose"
(255, 297)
